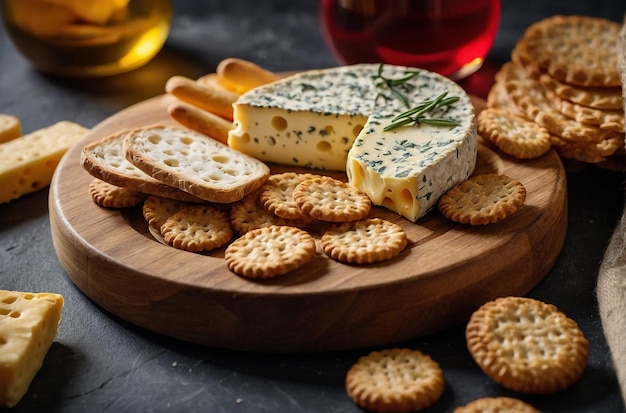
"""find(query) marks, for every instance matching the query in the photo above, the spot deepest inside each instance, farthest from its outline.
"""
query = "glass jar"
(87, 38)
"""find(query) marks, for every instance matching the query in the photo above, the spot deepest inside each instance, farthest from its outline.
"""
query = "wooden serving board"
(446, 271)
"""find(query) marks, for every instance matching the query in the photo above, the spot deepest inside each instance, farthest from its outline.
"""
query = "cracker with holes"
(329, 199)
(592, 97)
(500, 404)
(529, 96)
(395, 380)
(512, 134)
(277, 195)
(482, 199)
(156, 210)
(526, 345)
(578, 50)
(248, 214)
(197, 228)
(364, 242)
(110, 196)
(606, 119)
(195, 163)
(269, 252)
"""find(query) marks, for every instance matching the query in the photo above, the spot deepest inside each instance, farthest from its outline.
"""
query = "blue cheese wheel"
(333, 119)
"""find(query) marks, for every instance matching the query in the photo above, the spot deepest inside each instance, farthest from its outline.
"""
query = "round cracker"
(277, 195)
(579, 50)
(528, 95)
(593, 97)
(482, 199)
(496, 405)
(269, 252)
(328, 199)
(526, 345)
(248, 214)
(156, 210)
(513, 134)
(364, 242)
(111, 196)
(395, 380)
(197, 228)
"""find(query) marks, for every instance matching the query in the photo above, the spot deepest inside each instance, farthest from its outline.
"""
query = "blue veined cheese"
(334, 119)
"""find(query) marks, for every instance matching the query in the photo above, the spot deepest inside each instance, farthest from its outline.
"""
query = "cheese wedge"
(334, 119)
(28, 326)
(29, 161)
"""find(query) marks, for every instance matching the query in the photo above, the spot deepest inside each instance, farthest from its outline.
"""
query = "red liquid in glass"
(450, 37)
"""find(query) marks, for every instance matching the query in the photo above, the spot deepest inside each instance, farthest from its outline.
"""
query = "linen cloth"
(611, 284)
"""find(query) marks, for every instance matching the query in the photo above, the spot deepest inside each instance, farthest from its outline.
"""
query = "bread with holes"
(194, 163)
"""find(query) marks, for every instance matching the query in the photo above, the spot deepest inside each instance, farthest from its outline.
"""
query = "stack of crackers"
(563, 78)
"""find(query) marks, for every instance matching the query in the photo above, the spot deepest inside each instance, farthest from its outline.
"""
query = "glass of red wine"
(450, 37)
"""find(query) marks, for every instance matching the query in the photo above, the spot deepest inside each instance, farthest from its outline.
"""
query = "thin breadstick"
(244, 73)
(215, 80)
(200, 120)
(217, 100)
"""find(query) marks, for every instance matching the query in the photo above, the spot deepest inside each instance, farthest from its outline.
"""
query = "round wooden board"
(446, 271)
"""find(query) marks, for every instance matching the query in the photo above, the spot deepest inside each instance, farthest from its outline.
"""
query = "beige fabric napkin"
(611, 288)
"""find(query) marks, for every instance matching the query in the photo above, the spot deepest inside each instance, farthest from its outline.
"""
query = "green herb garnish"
(395, 85)
(419, 114)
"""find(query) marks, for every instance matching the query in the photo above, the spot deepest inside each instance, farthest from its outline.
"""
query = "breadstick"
(245, 74)
(215, 80)
(200, 120)
(217, 100)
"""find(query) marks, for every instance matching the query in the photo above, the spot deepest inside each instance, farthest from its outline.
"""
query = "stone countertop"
(101, 363)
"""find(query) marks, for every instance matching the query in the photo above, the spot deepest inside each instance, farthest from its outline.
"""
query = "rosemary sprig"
(395, 84)
(417, 115)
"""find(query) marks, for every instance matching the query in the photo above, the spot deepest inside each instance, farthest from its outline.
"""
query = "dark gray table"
(101, 363)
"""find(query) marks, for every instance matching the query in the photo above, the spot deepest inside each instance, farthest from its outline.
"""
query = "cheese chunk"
(333, 119)
(10, 128)
(29, 161)
(28, 326)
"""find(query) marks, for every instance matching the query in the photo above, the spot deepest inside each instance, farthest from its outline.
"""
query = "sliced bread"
(104, 159)
(194, 162)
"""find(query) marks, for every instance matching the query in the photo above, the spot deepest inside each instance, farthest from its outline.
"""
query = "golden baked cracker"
(529, 96)
(277, 195)
(580, 50)
(512, 134)
(482, 199)
(156, 210)
(588, 152)
(500, 404)
(395, 380)
(328, 199)
(526, 345)
(498, 98)
(520, 57)
(606, 119)
(197, 228)
(364, 242)
(593, 97)
(248, 214)
(269, 252)
(110, 196)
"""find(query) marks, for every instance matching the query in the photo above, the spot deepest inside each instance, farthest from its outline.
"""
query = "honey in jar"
(79, 38)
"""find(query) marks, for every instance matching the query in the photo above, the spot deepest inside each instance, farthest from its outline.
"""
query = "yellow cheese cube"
(28, 162)
(28, 326)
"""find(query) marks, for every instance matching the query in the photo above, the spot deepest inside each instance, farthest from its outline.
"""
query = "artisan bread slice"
(105, 160)
(194, 163)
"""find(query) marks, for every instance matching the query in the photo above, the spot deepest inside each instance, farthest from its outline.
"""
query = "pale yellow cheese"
(28, 162)
(28, 326)
(10, 127)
